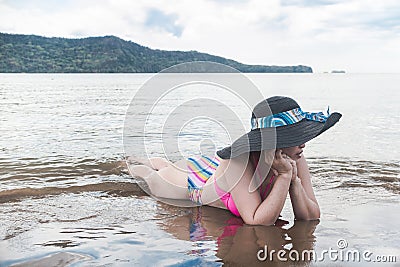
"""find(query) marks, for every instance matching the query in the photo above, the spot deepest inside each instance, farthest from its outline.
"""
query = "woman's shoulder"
(231, 171)
(235, 165)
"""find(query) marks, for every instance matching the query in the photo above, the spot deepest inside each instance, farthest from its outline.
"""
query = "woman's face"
(294, 152)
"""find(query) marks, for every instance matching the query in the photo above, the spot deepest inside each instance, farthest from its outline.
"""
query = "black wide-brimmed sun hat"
(279, 122)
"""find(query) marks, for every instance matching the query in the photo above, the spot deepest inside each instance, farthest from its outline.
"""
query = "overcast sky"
(353, 35)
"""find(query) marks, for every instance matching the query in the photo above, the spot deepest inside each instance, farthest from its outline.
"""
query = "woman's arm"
(252, 209)
(304, 203)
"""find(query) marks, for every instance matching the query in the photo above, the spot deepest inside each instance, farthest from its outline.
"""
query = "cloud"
(46, 5)
(325, 34)
(308, 2)
(386, 20)
(229, 1)
(168, 22)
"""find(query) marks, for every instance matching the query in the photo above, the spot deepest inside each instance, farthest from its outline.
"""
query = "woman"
(253, 176)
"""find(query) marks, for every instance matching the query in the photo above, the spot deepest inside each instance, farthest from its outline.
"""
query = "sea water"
(66, 195)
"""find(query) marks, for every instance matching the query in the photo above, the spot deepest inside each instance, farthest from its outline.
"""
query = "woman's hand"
(294, 169)
(281, 165)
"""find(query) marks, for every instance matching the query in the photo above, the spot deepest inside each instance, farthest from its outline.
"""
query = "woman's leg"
(170, 181)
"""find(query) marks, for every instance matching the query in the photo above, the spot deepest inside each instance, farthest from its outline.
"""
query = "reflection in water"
(236, 243)
(57, 259)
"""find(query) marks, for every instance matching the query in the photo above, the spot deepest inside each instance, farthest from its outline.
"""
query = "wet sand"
(100, 228)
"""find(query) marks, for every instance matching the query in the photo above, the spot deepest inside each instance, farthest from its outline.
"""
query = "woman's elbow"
(252, 220)
(315, 214)
(309, 216)
(312, 218)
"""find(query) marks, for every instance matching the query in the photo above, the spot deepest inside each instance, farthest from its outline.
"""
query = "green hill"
(108, 54)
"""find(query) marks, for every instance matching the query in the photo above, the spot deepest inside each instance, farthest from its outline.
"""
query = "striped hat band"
(287, 118)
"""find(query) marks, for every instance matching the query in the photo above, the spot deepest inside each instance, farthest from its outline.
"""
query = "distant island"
(338, 71)
(108, 54)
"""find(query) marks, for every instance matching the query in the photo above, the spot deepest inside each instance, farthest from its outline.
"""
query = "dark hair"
(254, 157)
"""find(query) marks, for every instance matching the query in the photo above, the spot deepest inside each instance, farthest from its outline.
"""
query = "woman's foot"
(154, 163)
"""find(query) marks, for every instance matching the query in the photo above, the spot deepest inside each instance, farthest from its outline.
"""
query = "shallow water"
(66, 196)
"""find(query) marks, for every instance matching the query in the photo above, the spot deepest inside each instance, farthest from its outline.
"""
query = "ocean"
(67, 198)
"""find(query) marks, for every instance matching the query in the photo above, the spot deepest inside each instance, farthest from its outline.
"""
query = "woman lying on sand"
(252, 177)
